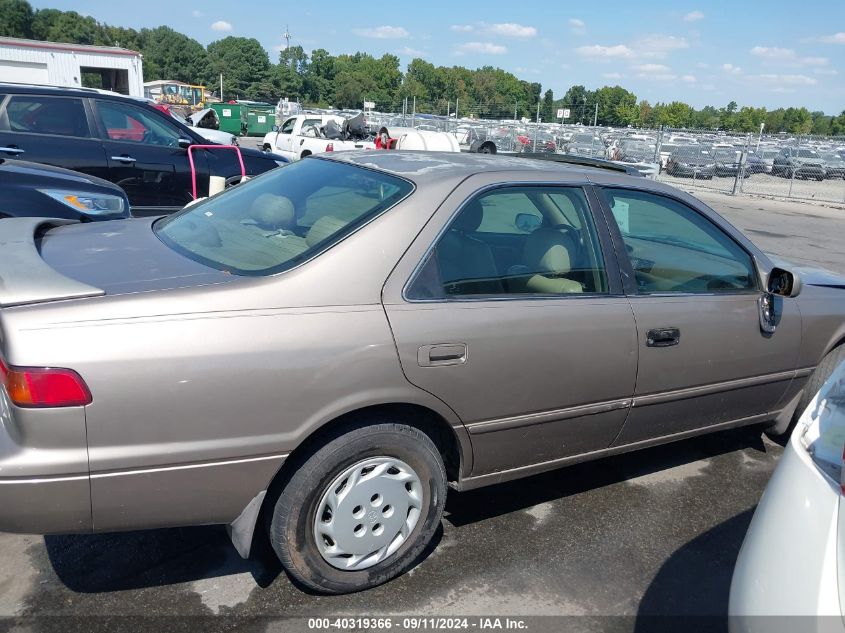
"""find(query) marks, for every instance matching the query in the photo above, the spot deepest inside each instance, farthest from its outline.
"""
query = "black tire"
(819, 376)
(292, 520)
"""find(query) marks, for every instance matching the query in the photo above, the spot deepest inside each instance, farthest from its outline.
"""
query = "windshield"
(584, 138)
(691, 151)
(281, 218)
(807, 153)
(724, 154)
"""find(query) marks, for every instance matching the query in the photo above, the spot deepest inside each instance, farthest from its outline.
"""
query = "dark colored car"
(588, 145)
(119, 139)
(799, 163)
(727, 162)
(834, 165)
(33, 190)
(693, 161)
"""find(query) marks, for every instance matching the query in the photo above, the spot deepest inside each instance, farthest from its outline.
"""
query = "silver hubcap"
(367, 512)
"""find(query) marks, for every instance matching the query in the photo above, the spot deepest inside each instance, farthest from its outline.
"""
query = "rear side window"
(281, 218)
(46, 115)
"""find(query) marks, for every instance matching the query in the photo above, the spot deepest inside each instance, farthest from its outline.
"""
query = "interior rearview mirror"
(527, 222)
(783, 283)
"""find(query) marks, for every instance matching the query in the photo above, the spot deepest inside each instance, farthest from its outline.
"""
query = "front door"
(515, 318)
(145, 158)
(704, 359)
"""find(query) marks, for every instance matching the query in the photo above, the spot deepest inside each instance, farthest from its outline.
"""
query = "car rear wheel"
(819, 376)
(361, 509)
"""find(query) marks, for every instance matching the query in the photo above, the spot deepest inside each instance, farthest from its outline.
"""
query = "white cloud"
(656, 76)
(383, 32)
(787, 56)
(577, 26)
(651, 68)
(792, 80)
(690, 79)
(411, 52)
(733, 70)
(659, 45)
(693, 16)
(702, 65)
(462, 28)
(485, 48)
(612, 76)
(598, 52)
(773, 52)
(836, 38)
(825, 71)
(196, 13)
(221, 25)
(510, 29)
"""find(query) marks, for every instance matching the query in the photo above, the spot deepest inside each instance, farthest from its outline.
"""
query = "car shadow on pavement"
(690, 591)
(484, 503)
(93, 563)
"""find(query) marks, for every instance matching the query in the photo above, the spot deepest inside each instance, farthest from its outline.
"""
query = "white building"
(58, 64)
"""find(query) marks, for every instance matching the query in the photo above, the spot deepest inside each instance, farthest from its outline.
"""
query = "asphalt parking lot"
(650, 533)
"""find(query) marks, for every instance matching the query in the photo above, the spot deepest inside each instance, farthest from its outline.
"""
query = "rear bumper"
(44, 484)
(788, 562)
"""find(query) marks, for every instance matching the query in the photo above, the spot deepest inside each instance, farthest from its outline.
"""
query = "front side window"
(127, 123)
(281, 218)
(673, 248)
(46, 115)
(287, 126)
(516, 241)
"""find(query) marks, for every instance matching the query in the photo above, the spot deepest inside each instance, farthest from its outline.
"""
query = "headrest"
(273, 211)
(325, 227)
(549, 250)
(470, 217)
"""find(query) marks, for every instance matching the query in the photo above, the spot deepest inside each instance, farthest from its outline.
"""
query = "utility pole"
(414, 115)
(537, 126)
(596, 115)
(287, 37)
(221, 87)
(456, 110)
(515, 108)
(760, 138)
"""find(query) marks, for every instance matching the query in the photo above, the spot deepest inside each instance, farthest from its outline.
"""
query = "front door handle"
(124, 159)
(663, 337)
(12, 150)
(442, 354)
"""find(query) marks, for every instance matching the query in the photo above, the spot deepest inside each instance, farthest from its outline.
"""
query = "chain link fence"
(801, 167)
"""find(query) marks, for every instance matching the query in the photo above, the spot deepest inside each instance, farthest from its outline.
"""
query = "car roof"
(21, 88)
(426, 167)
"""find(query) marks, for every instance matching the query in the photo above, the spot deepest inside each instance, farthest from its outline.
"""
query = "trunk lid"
(52, 260)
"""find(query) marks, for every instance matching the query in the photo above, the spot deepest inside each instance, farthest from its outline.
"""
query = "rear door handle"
(663, 337)
(12, 150)
(442, 354)
(123, 159)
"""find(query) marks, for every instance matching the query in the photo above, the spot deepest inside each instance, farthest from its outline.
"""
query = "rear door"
(704, 359)
(52, 130)
(145, 159)
(535, 375)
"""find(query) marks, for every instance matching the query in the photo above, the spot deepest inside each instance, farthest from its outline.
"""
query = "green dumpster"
(260, 119)
(232, 117)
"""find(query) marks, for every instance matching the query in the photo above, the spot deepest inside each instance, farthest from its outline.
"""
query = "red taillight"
(44, 386)
(330, 147)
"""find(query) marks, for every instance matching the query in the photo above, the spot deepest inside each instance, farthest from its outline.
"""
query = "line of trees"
(346, 81)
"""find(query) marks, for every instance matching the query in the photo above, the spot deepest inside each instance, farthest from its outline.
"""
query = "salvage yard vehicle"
(33, 190)
(303, 135)
(693, 161)
(801, 517)
(116, 138)
(316, 355)
(799, 163)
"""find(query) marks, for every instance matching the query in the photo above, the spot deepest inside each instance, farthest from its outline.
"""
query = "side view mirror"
(185, 143)
(275, 128)
(783, 283)
(527, 222)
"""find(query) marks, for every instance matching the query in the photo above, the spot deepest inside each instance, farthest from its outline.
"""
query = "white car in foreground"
(792, 562)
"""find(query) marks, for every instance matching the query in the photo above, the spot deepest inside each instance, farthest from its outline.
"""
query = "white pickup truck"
(299, 136)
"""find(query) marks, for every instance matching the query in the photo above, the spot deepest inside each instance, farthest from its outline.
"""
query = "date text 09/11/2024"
(417, 623)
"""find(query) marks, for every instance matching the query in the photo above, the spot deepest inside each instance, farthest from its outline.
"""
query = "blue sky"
(773, 54)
